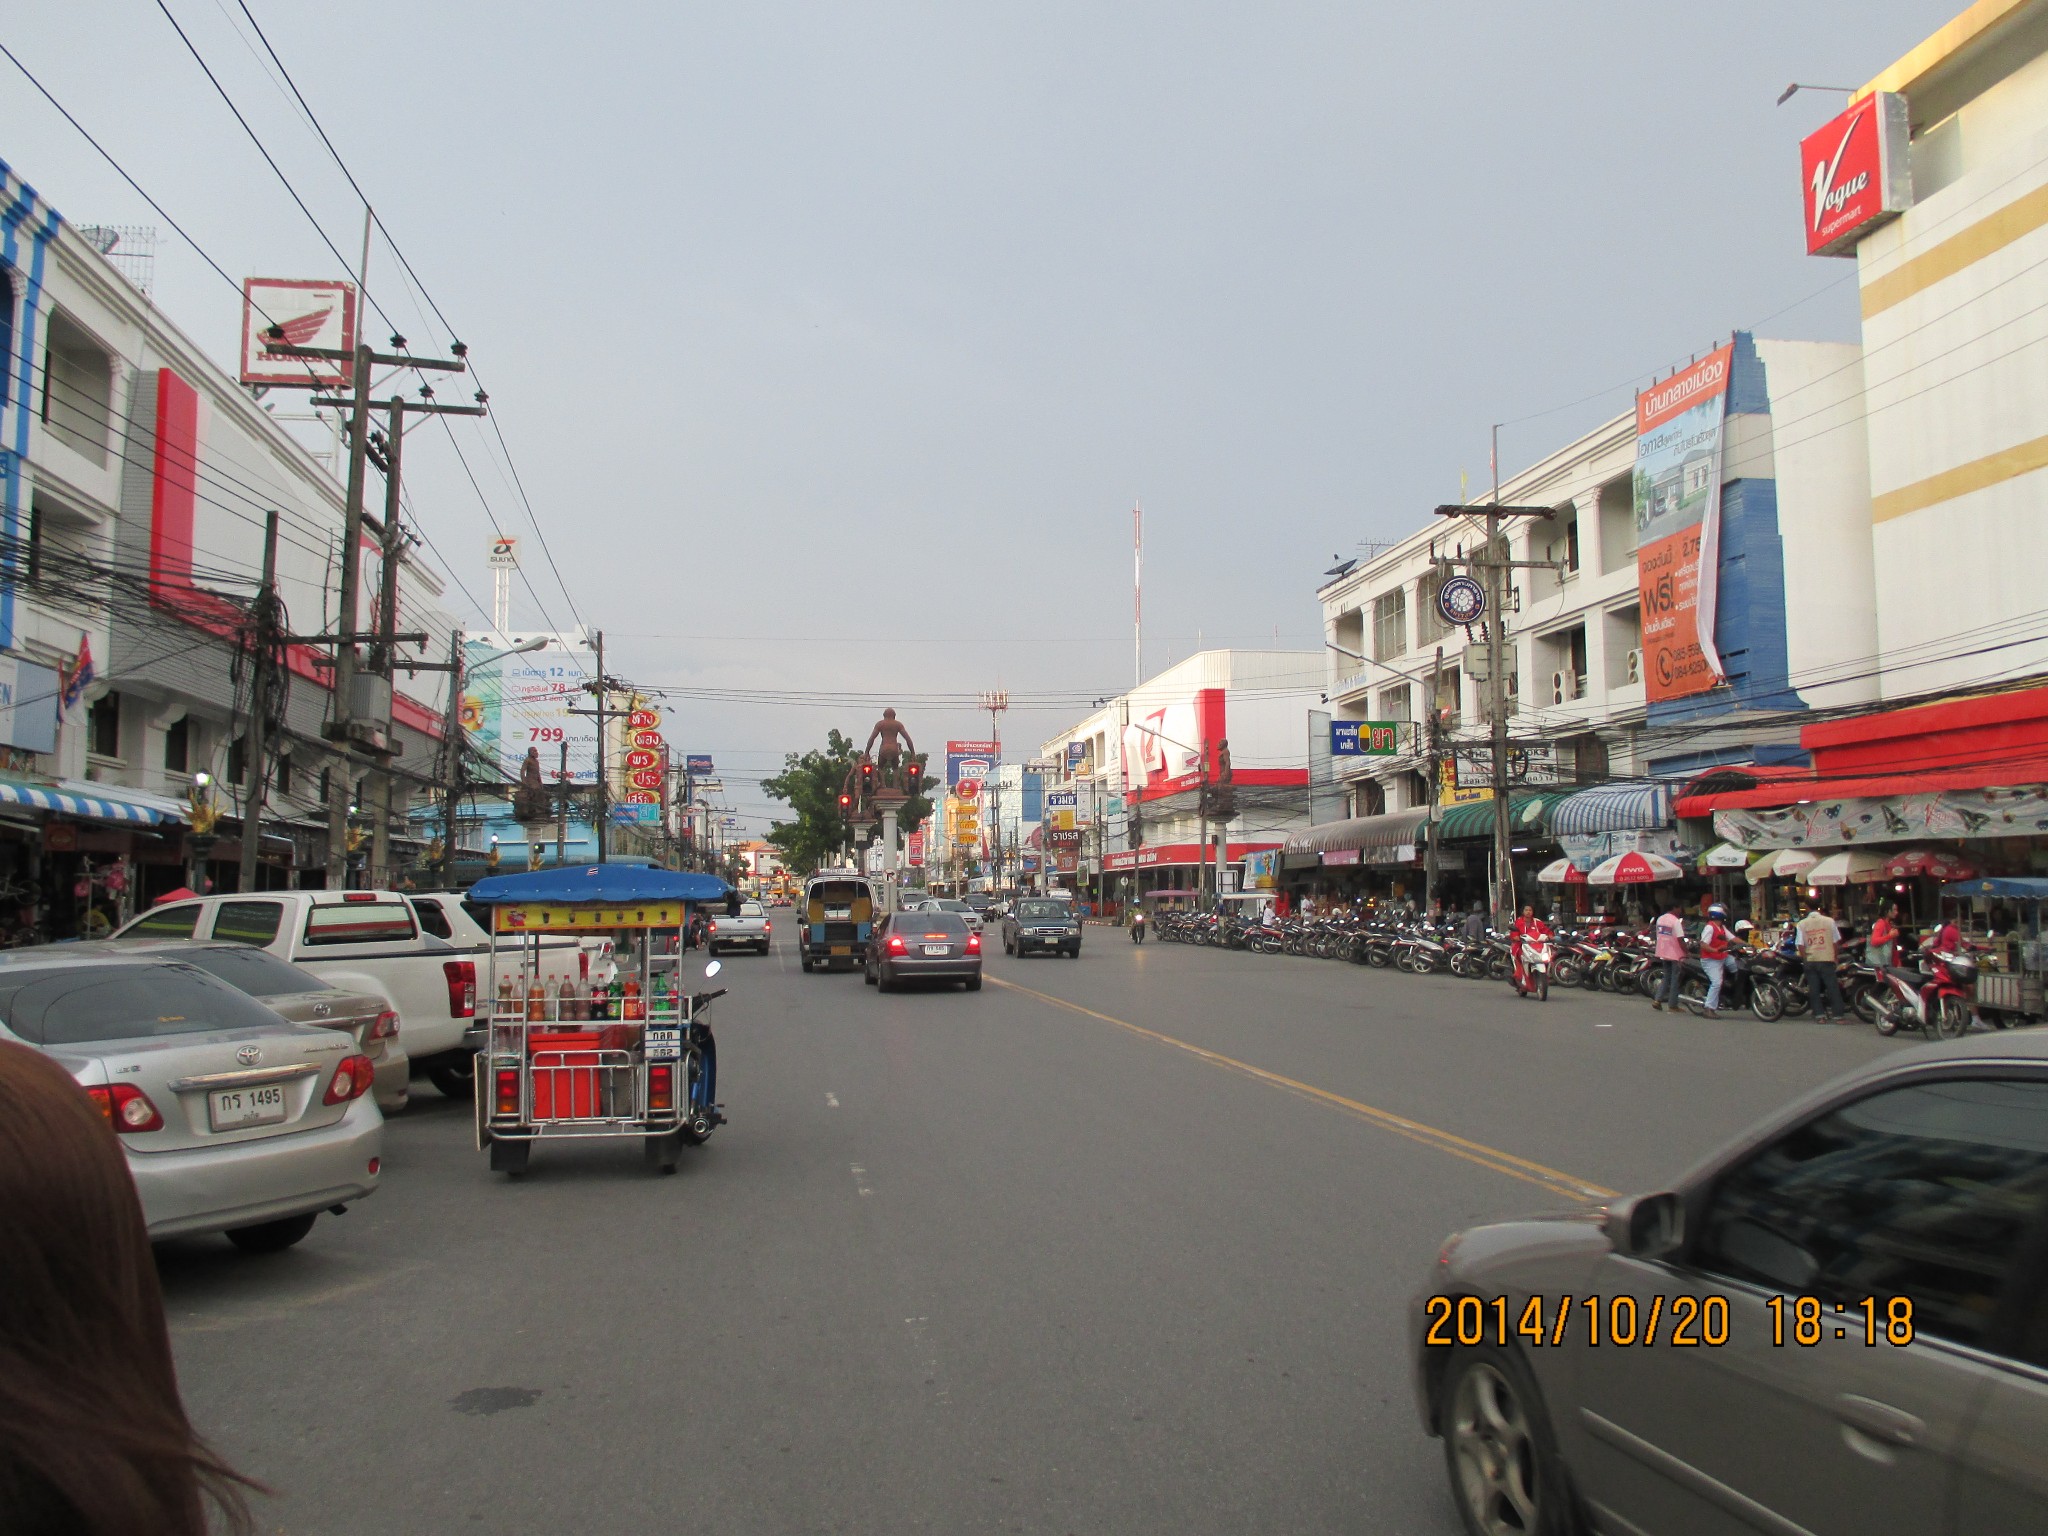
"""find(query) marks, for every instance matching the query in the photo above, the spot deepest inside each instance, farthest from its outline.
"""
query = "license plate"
(230, 1109)
(664, 1044)
(935, 949)
(842, 949)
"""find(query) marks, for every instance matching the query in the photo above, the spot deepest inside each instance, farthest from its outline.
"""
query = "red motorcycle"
(1935, 1000)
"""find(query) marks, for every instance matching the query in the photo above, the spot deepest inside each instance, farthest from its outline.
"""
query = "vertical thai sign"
(1678, 524)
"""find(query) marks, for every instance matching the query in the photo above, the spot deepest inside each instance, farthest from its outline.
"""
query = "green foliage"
(810, 785)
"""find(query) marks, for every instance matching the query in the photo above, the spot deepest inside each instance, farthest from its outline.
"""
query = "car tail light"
(352, 1079)
(974, 943)
(768, 926)
(376, 1165)
(461, 976)
(896, 945)
(385, 1027)
(714, 927)
(359, 896)
(127, 1108)
(661, 1088)
(508, 1091)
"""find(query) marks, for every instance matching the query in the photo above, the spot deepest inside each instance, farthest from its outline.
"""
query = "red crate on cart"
(568, 1074)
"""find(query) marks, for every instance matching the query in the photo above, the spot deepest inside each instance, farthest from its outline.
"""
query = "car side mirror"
(1646, 1226)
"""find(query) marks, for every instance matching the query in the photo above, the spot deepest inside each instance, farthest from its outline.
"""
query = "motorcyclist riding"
(1525, 930)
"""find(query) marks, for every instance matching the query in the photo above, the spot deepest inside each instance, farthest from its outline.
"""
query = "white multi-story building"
(1580, 711)
(1144, 755)
(135, 476)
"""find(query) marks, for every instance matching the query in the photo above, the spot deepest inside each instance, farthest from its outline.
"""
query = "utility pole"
(1429, 852)
(562, 809)
(451, 742)
(352, 721)
(603, 712)
(1494, 566)
(256, 764)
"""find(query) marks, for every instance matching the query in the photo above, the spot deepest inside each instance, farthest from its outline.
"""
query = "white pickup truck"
(363, 941)
(745, 926)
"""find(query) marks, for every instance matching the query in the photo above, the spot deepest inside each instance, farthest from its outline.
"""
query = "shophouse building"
(1136, 767)
(135, 479)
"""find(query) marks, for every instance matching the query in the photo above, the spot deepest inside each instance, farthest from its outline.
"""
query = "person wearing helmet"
(1714, 955)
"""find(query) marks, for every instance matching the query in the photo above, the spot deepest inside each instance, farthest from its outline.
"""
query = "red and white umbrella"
(1634, 869)
(1934, 863)
(1561, 872)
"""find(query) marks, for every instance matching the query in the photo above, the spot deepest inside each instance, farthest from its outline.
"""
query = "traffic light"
(913, 777)
(845, 802)
(867, 775)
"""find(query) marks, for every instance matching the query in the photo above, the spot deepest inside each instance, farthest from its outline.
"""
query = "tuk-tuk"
(628, 1057)
(837, 916)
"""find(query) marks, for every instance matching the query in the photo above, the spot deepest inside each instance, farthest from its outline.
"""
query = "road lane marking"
(1415, 1130)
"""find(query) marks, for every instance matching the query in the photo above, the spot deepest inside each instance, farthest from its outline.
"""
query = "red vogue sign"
(1857, 174)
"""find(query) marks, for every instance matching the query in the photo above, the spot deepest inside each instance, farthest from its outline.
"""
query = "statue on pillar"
(895, 742)
(530, 799)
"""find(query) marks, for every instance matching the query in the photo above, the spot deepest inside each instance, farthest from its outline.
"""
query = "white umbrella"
(1634, 869)
(1725, 856)
(1791, 863)
(1852, 866)
(1560, 872)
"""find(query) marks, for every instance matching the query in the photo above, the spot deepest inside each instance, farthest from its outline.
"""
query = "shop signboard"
(1065, 861)
(28, 705)
(642, 797)
(645, 778)
(644, 720)
(1067, 837)
(969, 760)
(1452, 788)
(1080, 759)
(1062, 810)
(1857, 173)
(1901, 819)
(637, 813)
(913, 850)
(1532, 764)
(1341, 856)
(698, 762)
(311, 314)
(1031, 798)
(1262, 869)
(1678, 525)
(1163, 745)
(650, 740)
(640, 757)
(516, 702)
(1365, 738)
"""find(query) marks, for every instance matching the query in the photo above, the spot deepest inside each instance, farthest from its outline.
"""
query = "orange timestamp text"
(1683, 1321)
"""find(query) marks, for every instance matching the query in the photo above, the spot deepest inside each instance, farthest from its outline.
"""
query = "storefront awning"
(1394, 830)
(1612, 808)
(97, 806)
(1528, 811)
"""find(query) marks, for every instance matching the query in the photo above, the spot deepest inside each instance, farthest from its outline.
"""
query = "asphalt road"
(1116, 1245)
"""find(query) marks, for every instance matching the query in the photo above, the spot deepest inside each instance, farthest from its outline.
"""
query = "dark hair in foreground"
(93, 1437)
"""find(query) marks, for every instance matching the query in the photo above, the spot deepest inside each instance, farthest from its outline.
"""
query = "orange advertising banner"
(1668, 578)
(1678, 522)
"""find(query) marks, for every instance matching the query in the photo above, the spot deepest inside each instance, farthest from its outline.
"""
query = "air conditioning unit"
(1561, 688)
(1635, 665)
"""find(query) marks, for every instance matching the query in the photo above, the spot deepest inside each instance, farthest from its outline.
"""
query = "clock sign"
(1461, 600)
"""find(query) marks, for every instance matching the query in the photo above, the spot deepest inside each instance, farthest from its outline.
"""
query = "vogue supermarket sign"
(1857, 174)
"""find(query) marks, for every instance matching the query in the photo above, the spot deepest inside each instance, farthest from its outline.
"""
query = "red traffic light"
(845, 801)
(867, 771)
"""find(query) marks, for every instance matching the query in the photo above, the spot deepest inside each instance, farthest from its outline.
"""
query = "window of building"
(1624, 632)
(177, 744)
(238, 760)
(1563, 543)
(1617, 525)
(1428, 618)
(6, 329)
(1389, 624)
(1393, 704)
(78, 388)
(35, 539)
(326, 785)
(1369, 799)
(103, 726)
(1927, 1191)
(282, 772)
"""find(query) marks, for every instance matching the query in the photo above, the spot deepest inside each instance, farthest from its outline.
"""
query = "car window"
(255, 971)
(432, 919)
(359, 922)
(952, 906)
(478, 914)
(1925, 1191)
(247, 922)
(85, 1003)
(751, 909)
(165, 922)
(1041, 911)
(932, 922)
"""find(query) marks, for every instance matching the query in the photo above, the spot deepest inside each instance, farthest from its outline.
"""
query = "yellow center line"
(1427, 1135)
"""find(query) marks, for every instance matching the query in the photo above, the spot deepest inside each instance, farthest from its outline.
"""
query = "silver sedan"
(232, 1119)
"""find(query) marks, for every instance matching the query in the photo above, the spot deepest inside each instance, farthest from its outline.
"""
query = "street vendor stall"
(567, 1060)
(2000, 919)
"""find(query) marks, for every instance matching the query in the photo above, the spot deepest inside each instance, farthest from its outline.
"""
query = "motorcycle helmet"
(1718, 911)
(1744, 925)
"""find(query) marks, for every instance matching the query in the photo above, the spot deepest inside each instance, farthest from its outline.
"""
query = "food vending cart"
(2001, 920)
(579, 1059)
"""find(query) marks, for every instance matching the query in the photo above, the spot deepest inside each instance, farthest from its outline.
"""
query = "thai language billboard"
(521, 702)
(969, 760)
(1678, 524)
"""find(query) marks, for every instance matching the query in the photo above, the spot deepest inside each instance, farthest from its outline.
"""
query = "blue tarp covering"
(2015, 888)
(608, 883)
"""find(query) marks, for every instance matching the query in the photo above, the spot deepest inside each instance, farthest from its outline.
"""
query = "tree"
(810, 784)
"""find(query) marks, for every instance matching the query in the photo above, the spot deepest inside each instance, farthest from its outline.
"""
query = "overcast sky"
(833, 344)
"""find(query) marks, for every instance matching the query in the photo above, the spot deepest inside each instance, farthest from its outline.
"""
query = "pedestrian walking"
(1818, 939)
(1671, 952)
(1475, 923)
(1714, 938)
(1884, 939)
(93, 1438)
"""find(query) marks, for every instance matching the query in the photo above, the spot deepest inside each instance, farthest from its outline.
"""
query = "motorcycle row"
(1770, 983)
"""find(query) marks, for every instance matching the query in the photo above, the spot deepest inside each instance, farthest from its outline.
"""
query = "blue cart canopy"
(609, 884)
(2013, 888)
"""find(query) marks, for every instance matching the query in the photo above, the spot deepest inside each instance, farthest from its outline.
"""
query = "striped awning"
(1613, 808)
(93, 807)
(1394, 830)
(1527, 811)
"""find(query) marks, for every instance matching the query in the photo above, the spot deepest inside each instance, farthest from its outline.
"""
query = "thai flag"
(80, 675)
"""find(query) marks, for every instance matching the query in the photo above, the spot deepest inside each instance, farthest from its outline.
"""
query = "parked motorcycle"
(1934, 1000)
